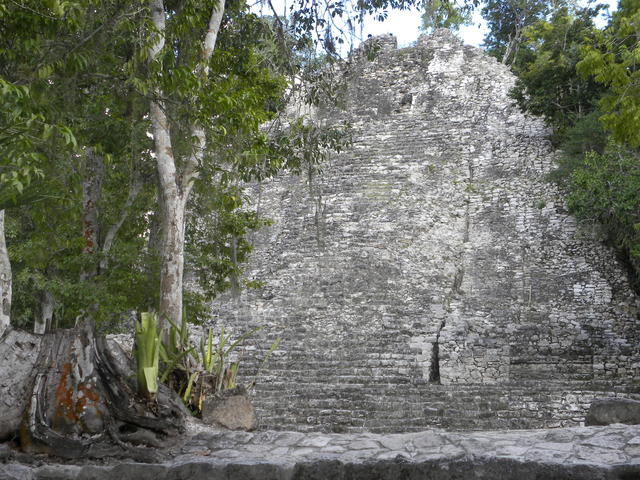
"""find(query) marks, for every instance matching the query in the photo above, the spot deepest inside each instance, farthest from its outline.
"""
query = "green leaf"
(151, 382)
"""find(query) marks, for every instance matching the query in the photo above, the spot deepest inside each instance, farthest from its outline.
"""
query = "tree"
(611, 59)
(71, 58)
(24, 129)
(548, 83)
(219, 99)
(445, 14)
(507, 21)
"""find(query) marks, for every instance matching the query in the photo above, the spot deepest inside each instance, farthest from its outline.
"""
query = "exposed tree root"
(84, 402)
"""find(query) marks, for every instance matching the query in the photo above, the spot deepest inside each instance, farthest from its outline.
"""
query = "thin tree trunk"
(172, 271)
(47, 304)
(110, 237)
(5, 280)
(91, 193)
(507, 51)
(175, 186)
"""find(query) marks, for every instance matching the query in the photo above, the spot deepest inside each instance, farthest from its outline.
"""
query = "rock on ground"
(606, 411)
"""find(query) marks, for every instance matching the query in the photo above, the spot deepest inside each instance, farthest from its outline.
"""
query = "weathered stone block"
(230, 409)
(605, 411)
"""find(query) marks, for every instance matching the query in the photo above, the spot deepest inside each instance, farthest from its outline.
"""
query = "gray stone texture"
(431, 275)
(231, 409)
(580, 453)
(613, 410)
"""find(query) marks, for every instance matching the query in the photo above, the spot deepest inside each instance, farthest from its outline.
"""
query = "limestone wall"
(431, 275)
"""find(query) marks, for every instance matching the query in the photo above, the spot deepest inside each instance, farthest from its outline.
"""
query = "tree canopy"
(445, 14)
(118, 115)
(507, 21)
(120, 120)
(584, 81)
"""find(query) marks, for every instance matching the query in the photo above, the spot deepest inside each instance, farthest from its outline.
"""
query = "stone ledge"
(602, 453)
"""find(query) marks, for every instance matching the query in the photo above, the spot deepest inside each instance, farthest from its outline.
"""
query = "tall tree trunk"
(5, 280)
(176, 186)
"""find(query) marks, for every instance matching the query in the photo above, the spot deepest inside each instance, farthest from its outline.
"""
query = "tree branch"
(109, 239)
(159, 121)
(210, 38)
(195, 159)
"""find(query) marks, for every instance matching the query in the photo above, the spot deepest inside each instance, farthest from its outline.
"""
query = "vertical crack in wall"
(456, 287)
(434, 369)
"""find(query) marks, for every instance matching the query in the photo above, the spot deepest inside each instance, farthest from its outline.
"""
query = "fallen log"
(83, 400)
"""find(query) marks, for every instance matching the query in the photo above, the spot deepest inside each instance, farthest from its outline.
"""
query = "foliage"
(445, 14)
(95, 81)
(242, 91)
(65, 59)
(584, 81)
(22, 129)
(606, 189)
(507, 21)
(612, 60)
(26, 133)
(586, 135)
(206, 368)
(548, 85)
(147, 354)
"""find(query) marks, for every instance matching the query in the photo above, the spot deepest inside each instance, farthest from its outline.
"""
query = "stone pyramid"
(431, 274)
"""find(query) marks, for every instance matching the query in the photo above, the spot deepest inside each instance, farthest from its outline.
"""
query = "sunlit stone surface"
(431, 274)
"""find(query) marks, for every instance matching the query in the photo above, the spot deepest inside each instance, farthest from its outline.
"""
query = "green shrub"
(195, 371)
(606, 188)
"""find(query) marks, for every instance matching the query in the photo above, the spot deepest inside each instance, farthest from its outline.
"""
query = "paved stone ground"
(601, 453)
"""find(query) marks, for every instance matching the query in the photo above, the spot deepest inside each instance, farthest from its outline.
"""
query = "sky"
(405, 25)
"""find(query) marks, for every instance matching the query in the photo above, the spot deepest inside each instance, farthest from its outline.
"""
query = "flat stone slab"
(610, 452)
